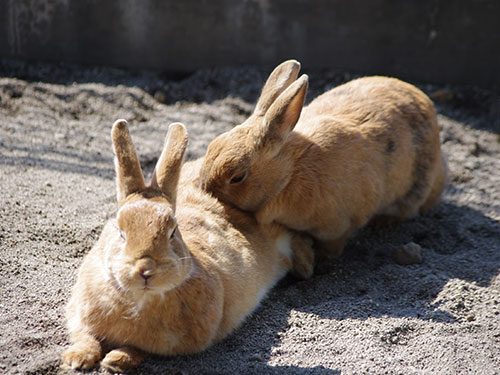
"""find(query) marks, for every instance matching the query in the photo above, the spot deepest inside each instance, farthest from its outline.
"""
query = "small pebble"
(411, 253)
(470, 318)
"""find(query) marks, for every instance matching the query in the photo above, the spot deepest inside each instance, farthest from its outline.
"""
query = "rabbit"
(366, 150)
(172, 273)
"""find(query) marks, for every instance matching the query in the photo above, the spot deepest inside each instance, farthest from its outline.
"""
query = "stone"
(411, 253)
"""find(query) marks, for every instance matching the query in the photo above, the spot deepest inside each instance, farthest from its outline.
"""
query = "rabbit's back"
(374, 98)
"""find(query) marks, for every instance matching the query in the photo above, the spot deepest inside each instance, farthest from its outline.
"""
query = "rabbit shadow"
(458, 243)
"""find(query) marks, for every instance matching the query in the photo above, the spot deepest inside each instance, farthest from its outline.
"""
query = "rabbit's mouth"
(148, 287)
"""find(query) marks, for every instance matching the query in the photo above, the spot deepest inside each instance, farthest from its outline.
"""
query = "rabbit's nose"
(146, 274)
(146, 267)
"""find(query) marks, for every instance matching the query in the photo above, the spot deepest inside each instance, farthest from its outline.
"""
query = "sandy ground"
(365, 314)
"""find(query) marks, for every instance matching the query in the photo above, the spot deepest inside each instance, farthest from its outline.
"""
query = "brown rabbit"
(364, 149)
(165, 280)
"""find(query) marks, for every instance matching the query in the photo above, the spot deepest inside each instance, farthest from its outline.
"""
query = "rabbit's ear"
(281, 77)
(168, 168)
(129, 177)
(284, 113)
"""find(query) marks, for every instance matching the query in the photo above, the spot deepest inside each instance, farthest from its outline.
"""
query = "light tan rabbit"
(364, 149)
(169, 284)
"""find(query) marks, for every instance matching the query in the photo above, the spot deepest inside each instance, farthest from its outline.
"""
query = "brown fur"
(146, 287)
(366, 148)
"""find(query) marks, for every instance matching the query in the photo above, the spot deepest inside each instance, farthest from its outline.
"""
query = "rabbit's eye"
(173, 232)
(238, 178)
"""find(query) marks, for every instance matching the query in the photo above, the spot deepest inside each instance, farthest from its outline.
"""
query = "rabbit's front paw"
(80, 357)
(122, 359)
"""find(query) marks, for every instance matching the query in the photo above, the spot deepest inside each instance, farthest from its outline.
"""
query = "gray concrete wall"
(429, 40)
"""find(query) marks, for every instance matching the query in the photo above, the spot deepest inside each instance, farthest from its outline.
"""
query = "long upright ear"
(284, 113)
(281, 77)
(168, 168)
(129, 177)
